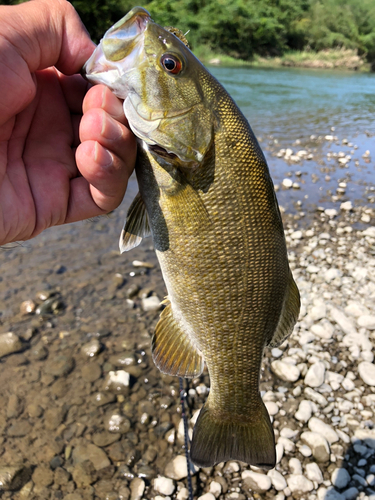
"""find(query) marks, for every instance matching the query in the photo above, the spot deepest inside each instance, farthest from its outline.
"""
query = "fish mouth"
(119, 51)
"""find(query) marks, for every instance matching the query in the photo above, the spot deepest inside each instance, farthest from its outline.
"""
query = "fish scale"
(207, 198)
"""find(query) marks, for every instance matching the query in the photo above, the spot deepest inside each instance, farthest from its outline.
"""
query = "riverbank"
(343, 59)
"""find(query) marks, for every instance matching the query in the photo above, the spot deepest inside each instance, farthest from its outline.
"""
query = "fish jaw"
(119, 52)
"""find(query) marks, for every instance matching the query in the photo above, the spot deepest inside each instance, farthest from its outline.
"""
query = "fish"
(207, 199)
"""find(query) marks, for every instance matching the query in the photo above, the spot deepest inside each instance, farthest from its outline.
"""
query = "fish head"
(161, 82)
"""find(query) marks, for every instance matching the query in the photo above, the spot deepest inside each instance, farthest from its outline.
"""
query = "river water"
(288, 105)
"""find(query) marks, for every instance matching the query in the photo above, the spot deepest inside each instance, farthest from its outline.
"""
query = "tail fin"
(215, 441)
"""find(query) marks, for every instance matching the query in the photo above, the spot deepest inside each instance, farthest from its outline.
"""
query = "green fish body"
(206, 196)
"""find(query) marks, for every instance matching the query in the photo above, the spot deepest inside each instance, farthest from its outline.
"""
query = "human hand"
(42, 182)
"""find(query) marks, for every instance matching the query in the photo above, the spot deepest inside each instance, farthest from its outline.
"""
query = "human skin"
(66, 151)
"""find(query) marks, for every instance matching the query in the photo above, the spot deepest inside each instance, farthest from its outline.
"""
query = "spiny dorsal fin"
(178, 33)
(136, 226)
(172, 350)
(289, 314)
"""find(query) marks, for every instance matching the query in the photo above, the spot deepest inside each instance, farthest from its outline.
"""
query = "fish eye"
(171, 63)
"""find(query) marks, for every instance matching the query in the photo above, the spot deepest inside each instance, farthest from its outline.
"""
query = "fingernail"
(111, 130)
(102, 156)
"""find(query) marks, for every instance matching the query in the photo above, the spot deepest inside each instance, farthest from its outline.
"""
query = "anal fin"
(136, 226)
(289, 314)
(172, 350)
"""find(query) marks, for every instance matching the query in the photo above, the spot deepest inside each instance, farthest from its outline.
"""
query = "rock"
(19, 428)
(285, 371)
(9, 343)
(91, 452)
(287, 183)
(350, 493)
(255, 481)
(316, 397)
(151, 303)
(356, 309)
(324, 329)
(117, 382)
(366, 321)
(103, 439)
(329, 494)
(42, 476)
(278, 481)
(318, 444)
(92, 348)
(299, 484)
(54, 417)
(84, 474)
(15, 407)
(366, 371)
(27, 307)
(330, 275)
(115, 422)
(207, 496)
(347, 206)
(91, 372)
(325, 430)
(103, 398)
(14, 477)
(295, 466)
(164, 485)
(137, 488)
(272, 408)
(346, 324)
(340, 478)
(315, 374)
(177, 469)
(59, 366)
(314, 473)
(304, 411)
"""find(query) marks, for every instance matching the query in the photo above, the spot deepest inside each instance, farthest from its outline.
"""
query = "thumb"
(46, 33)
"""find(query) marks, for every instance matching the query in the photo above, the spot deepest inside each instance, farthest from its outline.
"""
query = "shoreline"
(338, 59)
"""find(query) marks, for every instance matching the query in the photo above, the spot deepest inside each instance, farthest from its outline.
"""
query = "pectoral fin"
(172, 350)
(136, 226)
(289, 314)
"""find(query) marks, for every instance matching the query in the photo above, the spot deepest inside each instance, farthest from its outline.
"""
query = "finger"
(74, 89)
(101, 97)
(98, 125)
(103, 182)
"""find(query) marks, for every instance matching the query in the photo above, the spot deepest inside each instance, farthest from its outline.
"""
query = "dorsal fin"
(136, 226)
(178, 33)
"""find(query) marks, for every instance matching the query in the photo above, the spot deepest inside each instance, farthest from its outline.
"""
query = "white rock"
(276, 352)
(347, 206)
(279, 452)
(366, 371)
(314, 473)
(315, 374)
(215, 488)
(331, 212)
(304, 411)
(340, 478)
(207, 496)
(255, 481)
(356, 309)
(296, 235)
(9, 343)
(345, 323)
(332, 274)
(164, 485)
(318, 311)
(305, 450)
(370, 231)
(117, 380)
(277, 479)
(318, 444)
(344, 437)
(324, 329)
(348, 384)
(272, 408)
(329, 494)
(288, 445)
(151, 303)
(286, 432)
(367, 356)
(299, 484)
(177, 469)
(285, 371)
(287, 183)
(295, 466)
(366, 321)
(137, 488)
(333, 379)
(312, 269)
(357, 339)
(325, 430)
(350, 493)
(183, 494)
(316, 397)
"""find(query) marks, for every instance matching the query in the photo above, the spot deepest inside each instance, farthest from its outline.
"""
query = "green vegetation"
(253, 29)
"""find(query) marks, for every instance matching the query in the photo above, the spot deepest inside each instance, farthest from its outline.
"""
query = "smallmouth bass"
(206, 196)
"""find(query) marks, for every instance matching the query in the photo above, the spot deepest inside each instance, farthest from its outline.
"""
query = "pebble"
(207, 496)
(42, 476)
(115, 422)
(347, 206)
(315, 374)
(9, 343)
(117, 382)
(91, 452)
(350, 493)
(151, 303)
(299, 484)
(329, 494)
(255, 481)
(325, 430)
(27, 307)
(366, 321)
(92, 348)
(366, 371)
(314, 473)
(137, 488)
(14, 477)
(304, 411)
(177, 469)
(285, 371)
(318, 444)
(295, 466)
(278, 481)
(59, 366)
(164, 485)
(287, 183)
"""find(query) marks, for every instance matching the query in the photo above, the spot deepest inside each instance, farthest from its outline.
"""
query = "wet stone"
(84, 474)
(92, 348)
(91, 452)
(43, 476)
(91, 372)
(14, 477)
(9, 343)
(54, 417)
(123, 360)
(137, 488)
(117, 382)
(115, 422)
(103, 398)
(19, 429)
(27, 307)
(39, 352)
(15, 406)
(59, 366)
(145, 471)
(61, 476)
(103, 439)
